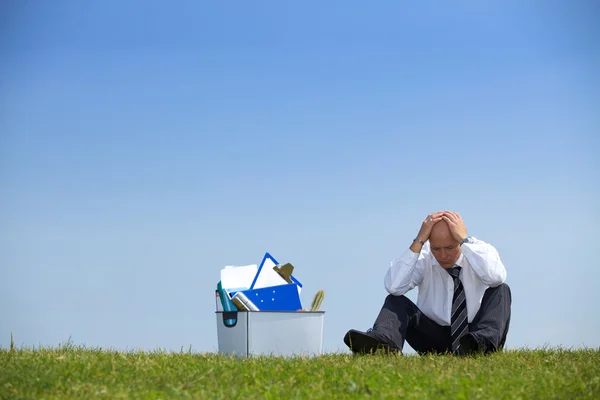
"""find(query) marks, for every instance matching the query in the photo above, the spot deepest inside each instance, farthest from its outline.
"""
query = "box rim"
(273, 312)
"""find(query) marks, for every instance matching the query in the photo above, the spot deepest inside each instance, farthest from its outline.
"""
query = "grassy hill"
(70, 372)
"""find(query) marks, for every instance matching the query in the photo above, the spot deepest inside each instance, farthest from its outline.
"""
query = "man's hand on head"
(428, 224)
(425, 231)
(456, 224)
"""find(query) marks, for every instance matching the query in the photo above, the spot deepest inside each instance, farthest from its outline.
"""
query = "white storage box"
(274, 333)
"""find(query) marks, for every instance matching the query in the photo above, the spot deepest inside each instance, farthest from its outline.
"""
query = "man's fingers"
(449, 221)
(456, 215)
(434, 215)
(450, 216)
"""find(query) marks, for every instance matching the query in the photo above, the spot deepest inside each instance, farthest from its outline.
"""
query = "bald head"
(441, 233)
(444, 247)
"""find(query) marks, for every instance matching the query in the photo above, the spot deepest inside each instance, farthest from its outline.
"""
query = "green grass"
(70, 372)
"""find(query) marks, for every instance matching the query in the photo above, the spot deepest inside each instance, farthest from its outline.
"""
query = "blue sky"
(144, 146)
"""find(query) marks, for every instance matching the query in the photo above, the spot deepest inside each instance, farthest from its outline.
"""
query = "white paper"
(234, 279)
(268, 276)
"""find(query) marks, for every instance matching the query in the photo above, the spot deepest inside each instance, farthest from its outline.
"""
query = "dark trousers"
(400, 319)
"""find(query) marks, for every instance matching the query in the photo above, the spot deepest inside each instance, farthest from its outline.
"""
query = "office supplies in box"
(266, 287)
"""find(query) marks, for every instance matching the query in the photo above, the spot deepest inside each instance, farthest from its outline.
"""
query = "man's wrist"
(467, 239)
(416, 245)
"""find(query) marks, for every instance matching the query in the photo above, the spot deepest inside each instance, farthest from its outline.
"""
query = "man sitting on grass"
(463, 304)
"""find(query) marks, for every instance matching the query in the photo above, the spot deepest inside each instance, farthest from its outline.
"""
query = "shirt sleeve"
(485, 262)
(406, 272)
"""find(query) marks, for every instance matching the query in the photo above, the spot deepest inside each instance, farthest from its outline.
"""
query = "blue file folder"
(274, 298)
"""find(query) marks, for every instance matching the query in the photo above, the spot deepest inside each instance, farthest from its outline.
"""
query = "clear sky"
(145, 145)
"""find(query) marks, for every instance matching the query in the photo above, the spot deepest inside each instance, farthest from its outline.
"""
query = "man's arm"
(406, 272)
(485, 261)
(482, 256)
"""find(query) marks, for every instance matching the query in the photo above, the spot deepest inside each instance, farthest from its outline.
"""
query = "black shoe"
(368, 342)
(468, 345)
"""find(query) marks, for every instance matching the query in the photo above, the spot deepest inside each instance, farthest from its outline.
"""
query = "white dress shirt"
(481, 268)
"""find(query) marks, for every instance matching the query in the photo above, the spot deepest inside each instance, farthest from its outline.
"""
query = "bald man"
(463, 304)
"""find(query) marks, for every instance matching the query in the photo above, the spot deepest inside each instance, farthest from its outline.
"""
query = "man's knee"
(399, 303)
(502, 290)
(397, 300)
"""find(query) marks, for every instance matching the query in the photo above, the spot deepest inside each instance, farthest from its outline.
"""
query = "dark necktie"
(458, 320)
